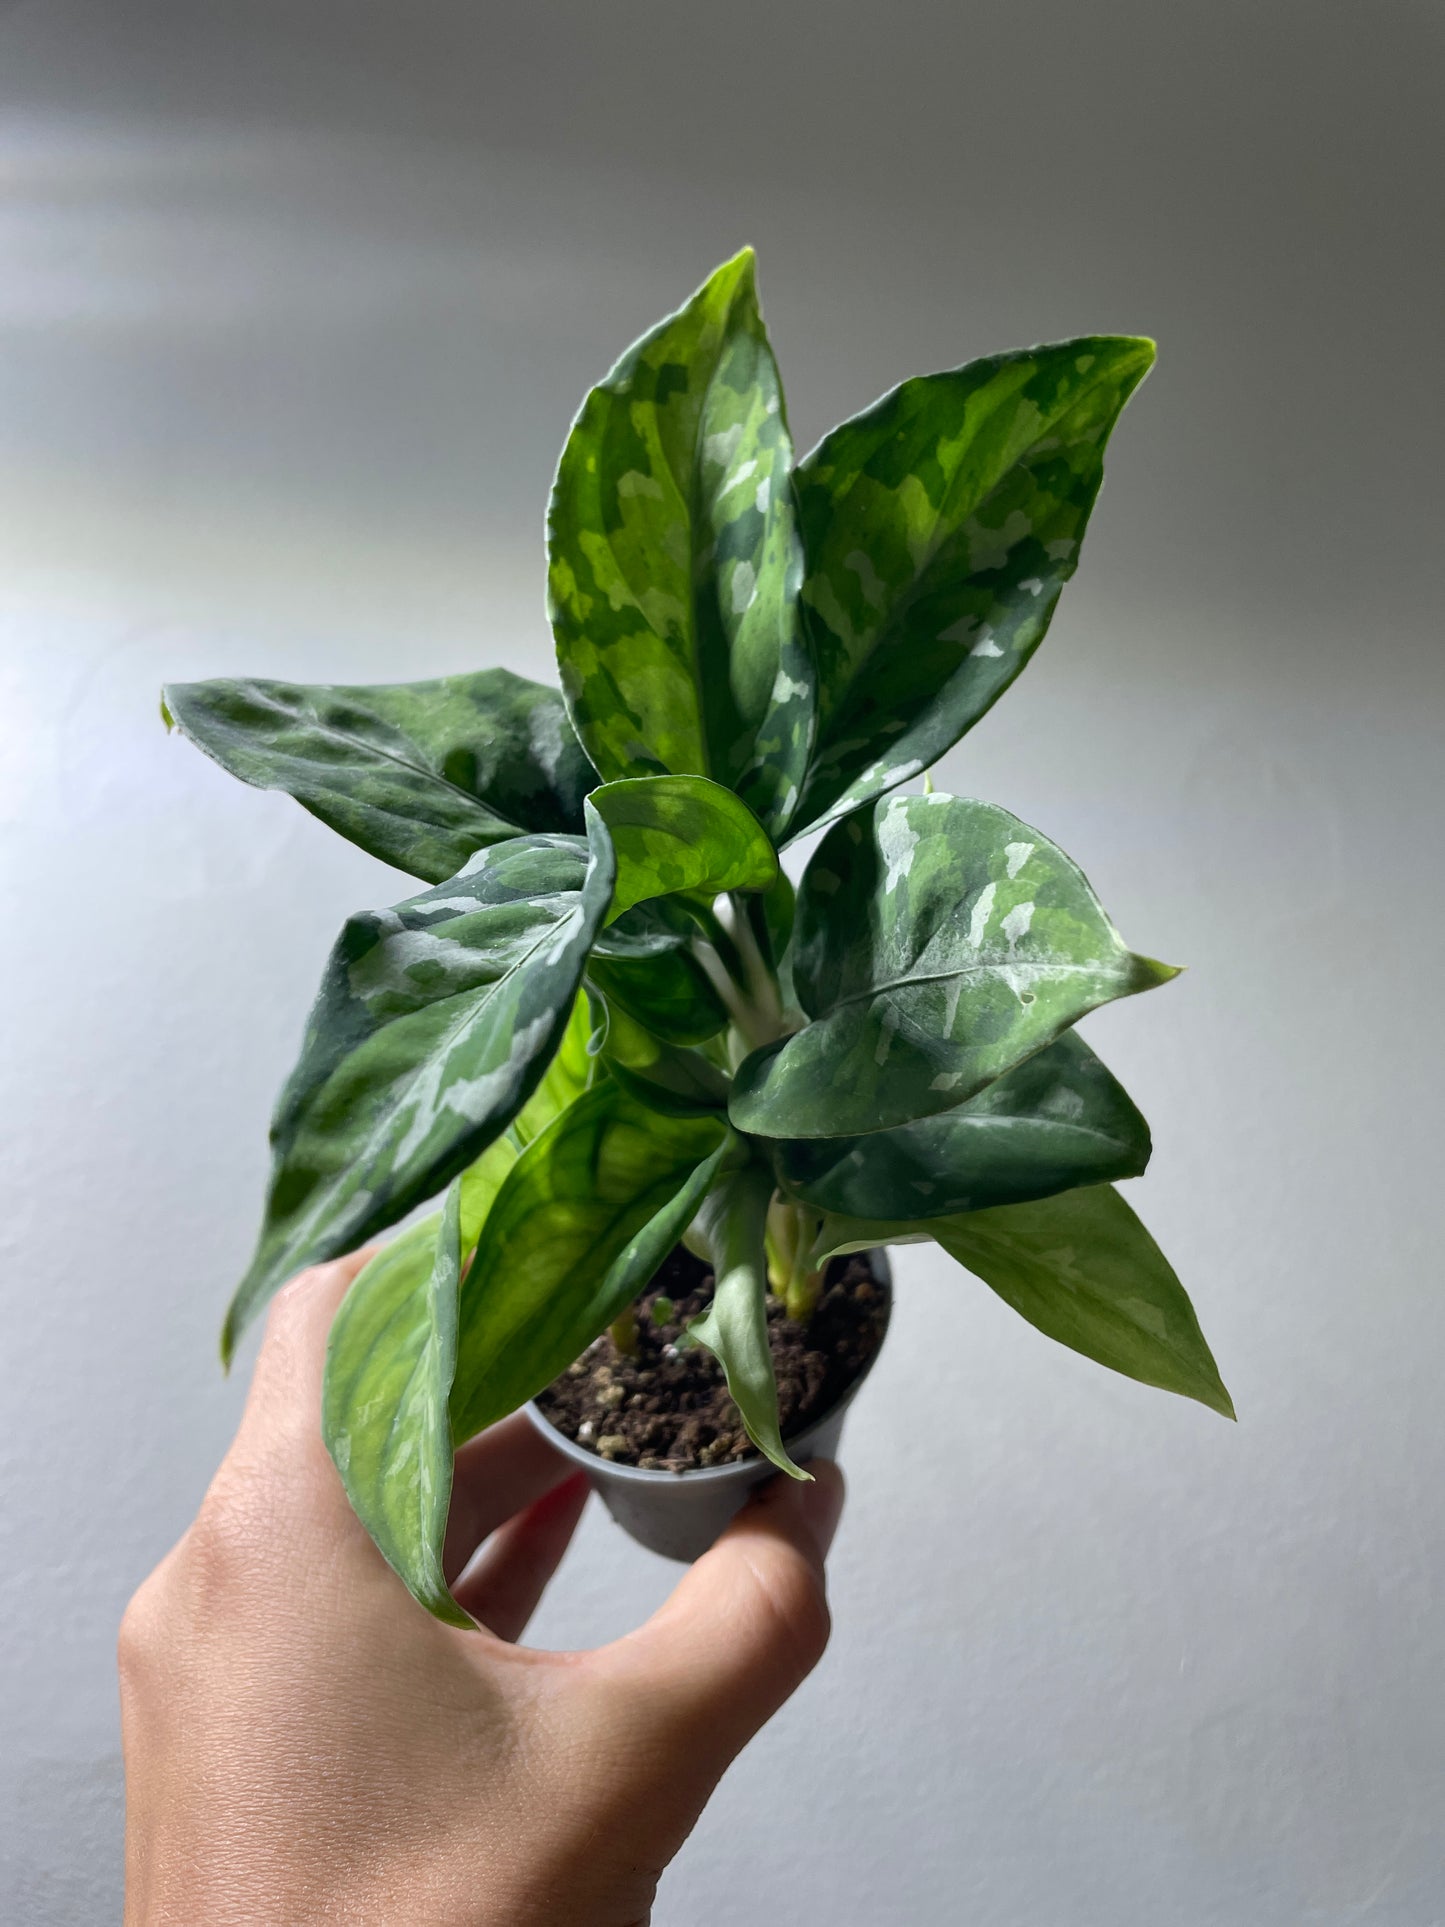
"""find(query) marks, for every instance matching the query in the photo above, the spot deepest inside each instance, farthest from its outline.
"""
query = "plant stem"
(800, 1300)
(737, 970)
(758, 976)
(623, 1332)
(740, 1013)
(790, 1233)
(719, 935)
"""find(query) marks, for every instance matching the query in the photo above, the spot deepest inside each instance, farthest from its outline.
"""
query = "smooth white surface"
(294, 308)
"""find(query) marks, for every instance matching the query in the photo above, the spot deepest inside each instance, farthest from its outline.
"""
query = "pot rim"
(594, 1463)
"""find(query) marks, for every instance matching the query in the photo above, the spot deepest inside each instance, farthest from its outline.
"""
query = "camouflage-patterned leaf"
(421, 774)
(1055, 1121)
(434, 1023)
(674, 558)
(938, 943)
(732, 1225)
(644, 964)
(682, 835)
(1083, 1269)
(584, 1218)
(940, 527)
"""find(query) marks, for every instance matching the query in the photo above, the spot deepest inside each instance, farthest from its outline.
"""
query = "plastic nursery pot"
(679, 1514)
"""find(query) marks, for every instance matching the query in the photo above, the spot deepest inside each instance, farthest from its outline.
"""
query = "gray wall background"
(296, 302)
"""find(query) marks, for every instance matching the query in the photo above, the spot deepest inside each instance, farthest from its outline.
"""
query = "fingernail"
(821, 1503)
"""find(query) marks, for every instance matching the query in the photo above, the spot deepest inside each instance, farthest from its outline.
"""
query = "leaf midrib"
(337, 734)
(694, 516)
(890, 622)
(997, 1122)
(948, 976)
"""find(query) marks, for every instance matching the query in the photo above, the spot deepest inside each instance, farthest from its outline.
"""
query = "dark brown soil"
(667, 1408)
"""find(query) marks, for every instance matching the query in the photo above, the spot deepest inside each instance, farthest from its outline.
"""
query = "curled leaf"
(733, 1225)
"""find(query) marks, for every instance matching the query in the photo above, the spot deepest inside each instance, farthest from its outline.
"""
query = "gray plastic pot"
(679, 1514)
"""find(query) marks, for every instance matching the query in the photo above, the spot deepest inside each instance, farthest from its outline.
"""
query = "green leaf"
(680, 1083)
(733, 1226)
(940, 527)
(390, 1361)
(835, 1234)
(434, 1023)
(674, 559)
(389, 1364)
(771, 916)
(938, 943)
(582, 1221)
(644, 964)
(421, 774)
(1055, 1121)
(1083, 1269)
(563, 1081)
(683, 836)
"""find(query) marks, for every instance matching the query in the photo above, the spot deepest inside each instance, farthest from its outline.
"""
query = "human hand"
(304, 1744)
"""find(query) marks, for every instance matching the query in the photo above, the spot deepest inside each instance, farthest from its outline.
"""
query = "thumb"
(742, 1630)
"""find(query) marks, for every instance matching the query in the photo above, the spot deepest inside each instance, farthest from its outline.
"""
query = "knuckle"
(223, 1546)
(150, 1626)
(136, 1641)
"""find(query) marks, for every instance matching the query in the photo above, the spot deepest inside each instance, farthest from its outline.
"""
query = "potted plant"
(662, 1095)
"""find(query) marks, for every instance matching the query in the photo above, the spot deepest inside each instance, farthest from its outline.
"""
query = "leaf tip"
(739, 276)
(776, 1453)
(443, 1607)
(166, 716)
(1132, 358)
(1151, 973)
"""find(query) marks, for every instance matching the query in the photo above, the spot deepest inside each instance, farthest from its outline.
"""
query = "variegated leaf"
(938, 943)
(674, 559)
(421, 774)
(939, 528)
(1083, 1269)
(1056, 1121)
(391, 1354)
(581, 1222)
(434, 1022)
(682, 836)
(390, 1359)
